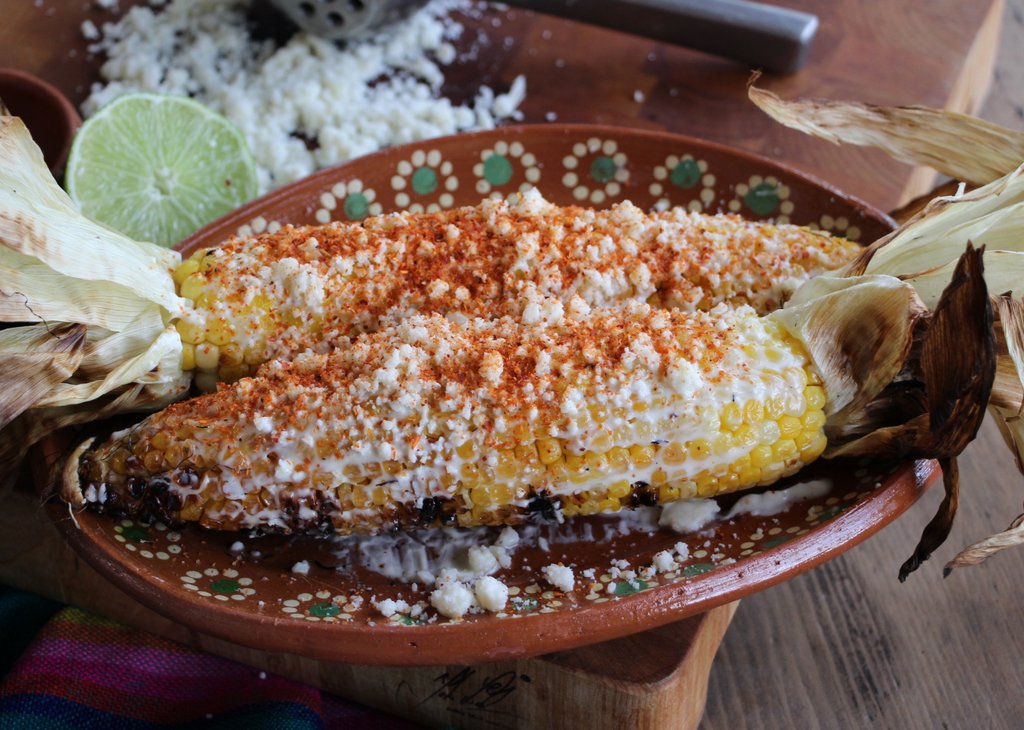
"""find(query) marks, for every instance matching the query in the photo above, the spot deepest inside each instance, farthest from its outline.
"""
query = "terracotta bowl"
(47, 113)
(250, 594)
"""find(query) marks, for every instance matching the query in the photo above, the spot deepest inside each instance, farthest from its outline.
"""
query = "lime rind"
(159, 167)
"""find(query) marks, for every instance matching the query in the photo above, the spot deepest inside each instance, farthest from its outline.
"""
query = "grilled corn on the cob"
(279, 294)
(431, 422)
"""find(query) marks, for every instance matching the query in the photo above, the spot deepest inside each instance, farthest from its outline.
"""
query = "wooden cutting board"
(938, 54)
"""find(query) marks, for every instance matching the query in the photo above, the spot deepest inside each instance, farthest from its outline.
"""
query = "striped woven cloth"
(62, 667)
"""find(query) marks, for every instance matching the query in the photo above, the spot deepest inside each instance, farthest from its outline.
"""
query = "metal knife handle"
(763, 36)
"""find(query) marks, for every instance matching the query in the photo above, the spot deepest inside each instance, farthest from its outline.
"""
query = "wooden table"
(845, 645)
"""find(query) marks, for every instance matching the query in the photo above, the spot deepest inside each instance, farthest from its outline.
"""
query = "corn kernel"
(785, 449)
(698, 448)
(153, 461)
(761, 456)
(602, 442)
(190, 332)
(668, 493)
(608, 505)
(813, 420)
(618, 458)
(768, 432)
(527, 454)
(815, 397)
(218, 331)
(232, 373)
(230, 354)
(597, 463)
(775, 407)
(557, 471)
(729, 482)
(707, 486)
(467, 450)
(749, 475)
(380, 497)
(192, 286)
(185, 269)
(789, 426)
(732, 416)
(659, 477)
(620, 489)
(753, 412)
(641, 455)
(574, 463)
(815, 450)
(207, 357)
(806, 438)
(674, 453)
(188, 356)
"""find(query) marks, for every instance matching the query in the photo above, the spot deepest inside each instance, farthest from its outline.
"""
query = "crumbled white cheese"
(309, 103)
(682, 550)
(560, 576)
(482, 560)
(389, 607)
(301, 568)
(664, 562)
(452, 599)
(490, 593)
(689, 515)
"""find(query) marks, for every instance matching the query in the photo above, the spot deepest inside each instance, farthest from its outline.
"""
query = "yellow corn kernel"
(785, 449)
(707, 485)
(668, 493)
(469, 474)
(507, 467)
(522, 434)
(549, 451)
(527, 454)
(813, 420)
(218, 331)
(620, 489)
(380, 497)
(768, 432)
(745, 437)
(608, 505)
(602, 442)
(207, 357)
(815, 450)
(732, 416)
(574, 463)
(797, 376)
(185, 269)
(775, 407)
(729, 482)
(557, 471)
(749, 475)
(643, 432)
(698, 448)
(806, 438)
(467, 450)
(188, 356)
(674, 453)
(761, 456)
(597, 463)
(815, 397)
(207, 260)
(231, 354)
(590, 507)
(160, 441)
(360, 498)
(192, 286)
(753, 412)
(641, 455)
(789, 426)
(191, 333)
(659, 477)
(618, 458)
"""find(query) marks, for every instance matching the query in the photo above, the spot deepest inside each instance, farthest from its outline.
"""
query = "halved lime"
(158, 168)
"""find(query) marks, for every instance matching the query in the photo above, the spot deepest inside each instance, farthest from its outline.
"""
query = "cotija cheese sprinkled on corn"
(278, 294)
(478, 422)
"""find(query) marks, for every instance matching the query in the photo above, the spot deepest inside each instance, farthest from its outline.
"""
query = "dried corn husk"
(923, 251)
(958, 145)
(62, 273)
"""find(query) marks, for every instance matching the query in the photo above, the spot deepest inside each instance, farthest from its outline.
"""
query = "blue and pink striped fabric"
(81, 671)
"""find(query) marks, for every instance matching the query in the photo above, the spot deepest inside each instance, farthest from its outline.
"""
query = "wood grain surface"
(845, 645)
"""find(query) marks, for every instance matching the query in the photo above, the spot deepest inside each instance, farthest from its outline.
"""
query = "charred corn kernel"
(549, 451)
(161, 440)
(190, 332)
(188, 356)
(117, 461)
(192, 286)
(207, 357)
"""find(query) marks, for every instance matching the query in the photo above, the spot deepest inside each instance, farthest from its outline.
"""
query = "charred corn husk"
(430, 422)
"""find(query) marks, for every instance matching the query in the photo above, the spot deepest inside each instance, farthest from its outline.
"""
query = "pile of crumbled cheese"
(306, 104)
